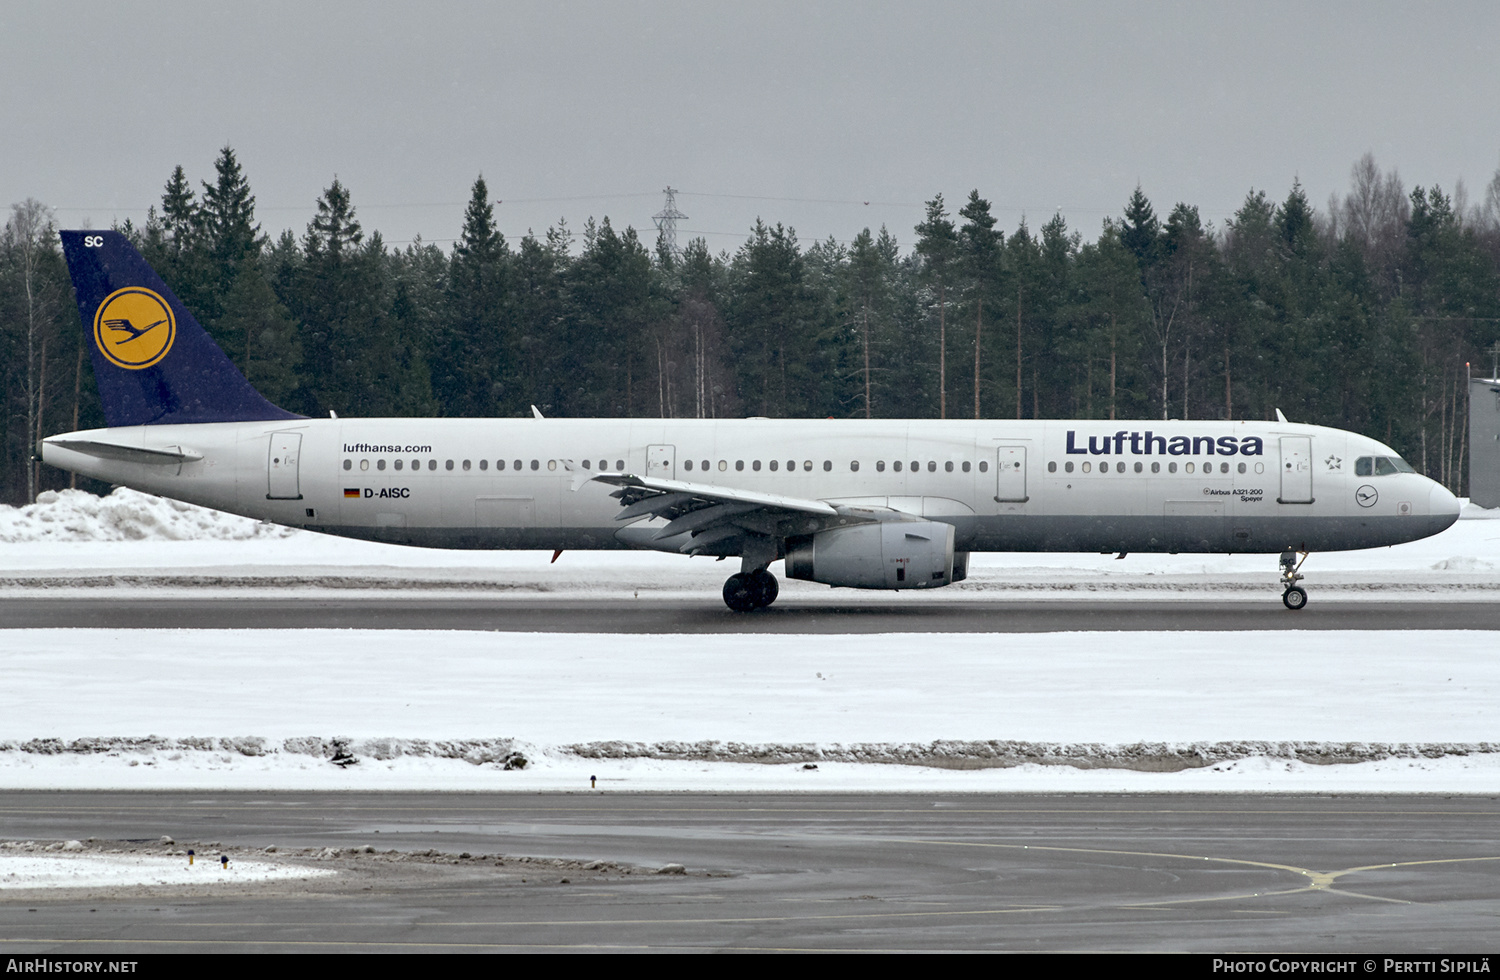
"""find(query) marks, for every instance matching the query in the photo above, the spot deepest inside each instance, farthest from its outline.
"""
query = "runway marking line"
(1317, 880)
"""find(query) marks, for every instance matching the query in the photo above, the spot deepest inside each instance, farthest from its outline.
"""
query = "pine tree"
(473, 360)
(1141, 231)
(938, 245)
(981, 250)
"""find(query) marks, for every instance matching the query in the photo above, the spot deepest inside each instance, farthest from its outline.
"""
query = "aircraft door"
(1010, 475)
(661, 462)
(282, 463)
(1296, 470)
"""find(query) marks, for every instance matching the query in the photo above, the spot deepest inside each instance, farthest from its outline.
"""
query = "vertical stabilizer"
(154, 363)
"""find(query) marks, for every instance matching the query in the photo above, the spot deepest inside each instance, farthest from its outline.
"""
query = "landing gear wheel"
(740, 593)
(1293, 596)
(766, 589)
(750, 590)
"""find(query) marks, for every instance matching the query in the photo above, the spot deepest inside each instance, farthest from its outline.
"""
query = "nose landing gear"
(750, 590)
(1293, 596)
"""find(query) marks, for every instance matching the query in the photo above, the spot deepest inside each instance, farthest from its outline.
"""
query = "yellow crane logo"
(134, 328)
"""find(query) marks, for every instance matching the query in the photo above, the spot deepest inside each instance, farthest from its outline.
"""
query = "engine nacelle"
(890, 555)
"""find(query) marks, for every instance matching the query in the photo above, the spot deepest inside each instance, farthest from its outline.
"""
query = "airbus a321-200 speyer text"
(861, 504)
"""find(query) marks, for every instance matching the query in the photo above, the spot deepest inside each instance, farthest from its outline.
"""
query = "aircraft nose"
(1442, 506)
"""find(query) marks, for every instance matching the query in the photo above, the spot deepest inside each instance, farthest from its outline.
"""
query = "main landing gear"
(750, 590)
(1293, 596)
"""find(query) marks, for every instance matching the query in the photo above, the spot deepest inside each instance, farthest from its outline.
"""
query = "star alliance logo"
(1334, 463)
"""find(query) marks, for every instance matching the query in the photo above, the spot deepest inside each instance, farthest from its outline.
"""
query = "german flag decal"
(351, 494)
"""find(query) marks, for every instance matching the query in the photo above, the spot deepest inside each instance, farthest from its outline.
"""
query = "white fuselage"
(1005, 486)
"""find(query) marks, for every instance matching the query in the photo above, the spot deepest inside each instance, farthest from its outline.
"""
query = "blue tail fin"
(154, 363)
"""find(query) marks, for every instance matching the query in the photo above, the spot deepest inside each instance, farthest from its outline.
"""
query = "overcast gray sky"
(794, 112)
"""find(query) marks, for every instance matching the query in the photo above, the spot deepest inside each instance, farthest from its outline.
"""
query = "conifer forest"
(1368, 314)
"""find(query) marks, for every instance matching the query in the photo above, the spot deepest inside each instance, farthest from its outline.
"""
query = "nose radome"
(1442, 505)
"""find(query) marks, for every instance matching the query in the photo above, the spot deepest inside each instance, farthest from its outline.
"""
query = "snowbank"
(125, 515)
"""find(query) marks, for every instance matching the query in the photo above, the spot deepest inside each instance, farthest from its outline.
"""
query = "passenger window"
(807, 466)
(791, 464)
(484, 464)
(1085, 466)
(364, 464)
(604, 465)
(896, 466)
(466, 465)
(536, 465)
(948, 466)
(1223, 467)
(398, 464)
(448, 465)
(585, 464)
(1052, 466)
(1187, 468)
(755, 466)
(880, 466)
(1155, 467)
(517, 464)
(853, 466)
(966, 466)
(348, 464)
(984, 466)
(1139, 467)
(551, 464)
(774, 465)
(380, 464)
(687, 464)
(1242, 467)
(432, 464)
(1171, 467)
(1068, 466)
(916, 466)
(619, 464)
(723, 465)
(739, 465)
(499, 464)
(827, 466)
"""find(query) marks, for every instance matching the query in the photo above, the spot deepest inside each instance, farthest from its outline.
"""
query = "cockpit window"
(1381, 466)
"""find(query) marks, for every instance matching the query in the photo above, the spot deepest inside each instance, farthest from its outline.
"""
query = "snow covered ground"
(28, 865)
(1324, 711)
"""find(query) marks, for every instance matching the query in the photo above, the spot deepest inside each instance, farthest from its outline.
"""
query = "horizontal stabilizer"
(128, 454)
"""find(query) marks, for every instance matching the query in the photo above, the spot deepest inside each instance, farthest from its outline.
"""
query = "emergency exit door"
(283, 482)
(1010, 475)
(661, 462)
(1296, 470)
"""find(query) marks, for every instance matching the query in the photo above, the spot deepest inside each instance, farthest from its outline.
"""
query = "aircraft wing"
(727, 520)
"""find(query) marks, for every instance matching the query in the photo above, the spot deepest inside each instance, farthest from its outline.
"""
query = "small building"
(1484, 441)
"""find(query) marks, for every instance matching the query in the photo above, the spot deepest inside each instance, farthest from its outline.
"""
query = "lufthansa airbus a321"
(862, 504)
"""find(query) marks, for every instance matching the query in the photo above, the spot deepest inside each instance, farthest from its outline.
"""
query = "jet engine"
(889, 555)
